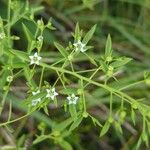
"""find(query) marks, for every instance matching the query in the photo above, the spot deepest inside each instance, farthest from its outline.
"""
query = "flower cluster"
(36, 101)
(51, 94)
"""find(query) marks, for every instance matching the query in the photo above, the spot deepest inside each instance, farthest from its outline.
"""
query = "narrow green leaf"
(20, 54)
(121, 62)
(95, 121)
(91, 59)
(63, 125)
(19, 65)
(3, 78)
(118, 127)
(61, 49)
(138, 144)
(145, 138)
(77, 32)
(76, 123)
(1, 49)
(73, 111)
(105, 128)
(133, 116)
(65, 145)
(108, 47)
(46, 110)
(89, 35)
(68, 91)
(21, 140)
(28, 74)
(41, 138)
(28, 34)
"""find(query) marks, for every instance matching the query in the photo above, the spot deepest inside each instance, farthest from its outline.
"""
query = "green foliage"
(61, 87)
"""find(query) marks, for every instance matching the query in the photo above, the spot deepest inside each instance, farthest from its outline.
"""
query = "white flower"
(36, 101)
(51, 93)
(72, 99)
(37, 92)
(40, 38)
(79, 46)
(2, 35)
(35, 59)
(9, 79)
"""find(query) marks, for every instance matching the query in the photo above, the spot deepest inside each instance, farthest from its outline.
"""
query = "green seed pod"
(70, 57)
(122, 114)
(109, 73)
(110, 119)
(56, 133)
(85, 114)
(108, 59)
(134, 105)
(41, 126)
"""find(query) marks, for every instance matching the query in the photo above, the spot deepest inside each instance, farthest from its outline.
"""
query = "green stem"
(41, 78)
(11, 121)
(130, 85)
(111, 98)
(8, 19)
(4, 99)
(93, 75)
(83, 96)
(143, 124)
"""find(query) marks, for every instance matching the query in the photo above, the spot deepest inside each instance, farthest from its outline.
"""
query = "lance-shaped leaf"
(61, 49)
(1, 49)
(95, 121)
(73, 111)
(105, 128)
(77, 33)
(28, 34)
(145, 138)
(133, 116)
(121, 62)
(76, 123)
(108, 47)
(41, 138)
(89, 35)
(65, 145)
(63, 125)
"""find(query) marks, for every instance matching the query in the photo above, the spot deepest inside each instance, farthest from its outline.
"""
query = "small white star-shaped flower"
(35, 92)
(51, 93)
(35, 59)
(79, 46)
(36, 101)
(72, 99)
(2, 35)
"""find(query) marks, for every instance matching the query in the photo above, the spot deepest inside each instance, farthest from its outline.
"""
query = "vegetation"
(74, 74)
